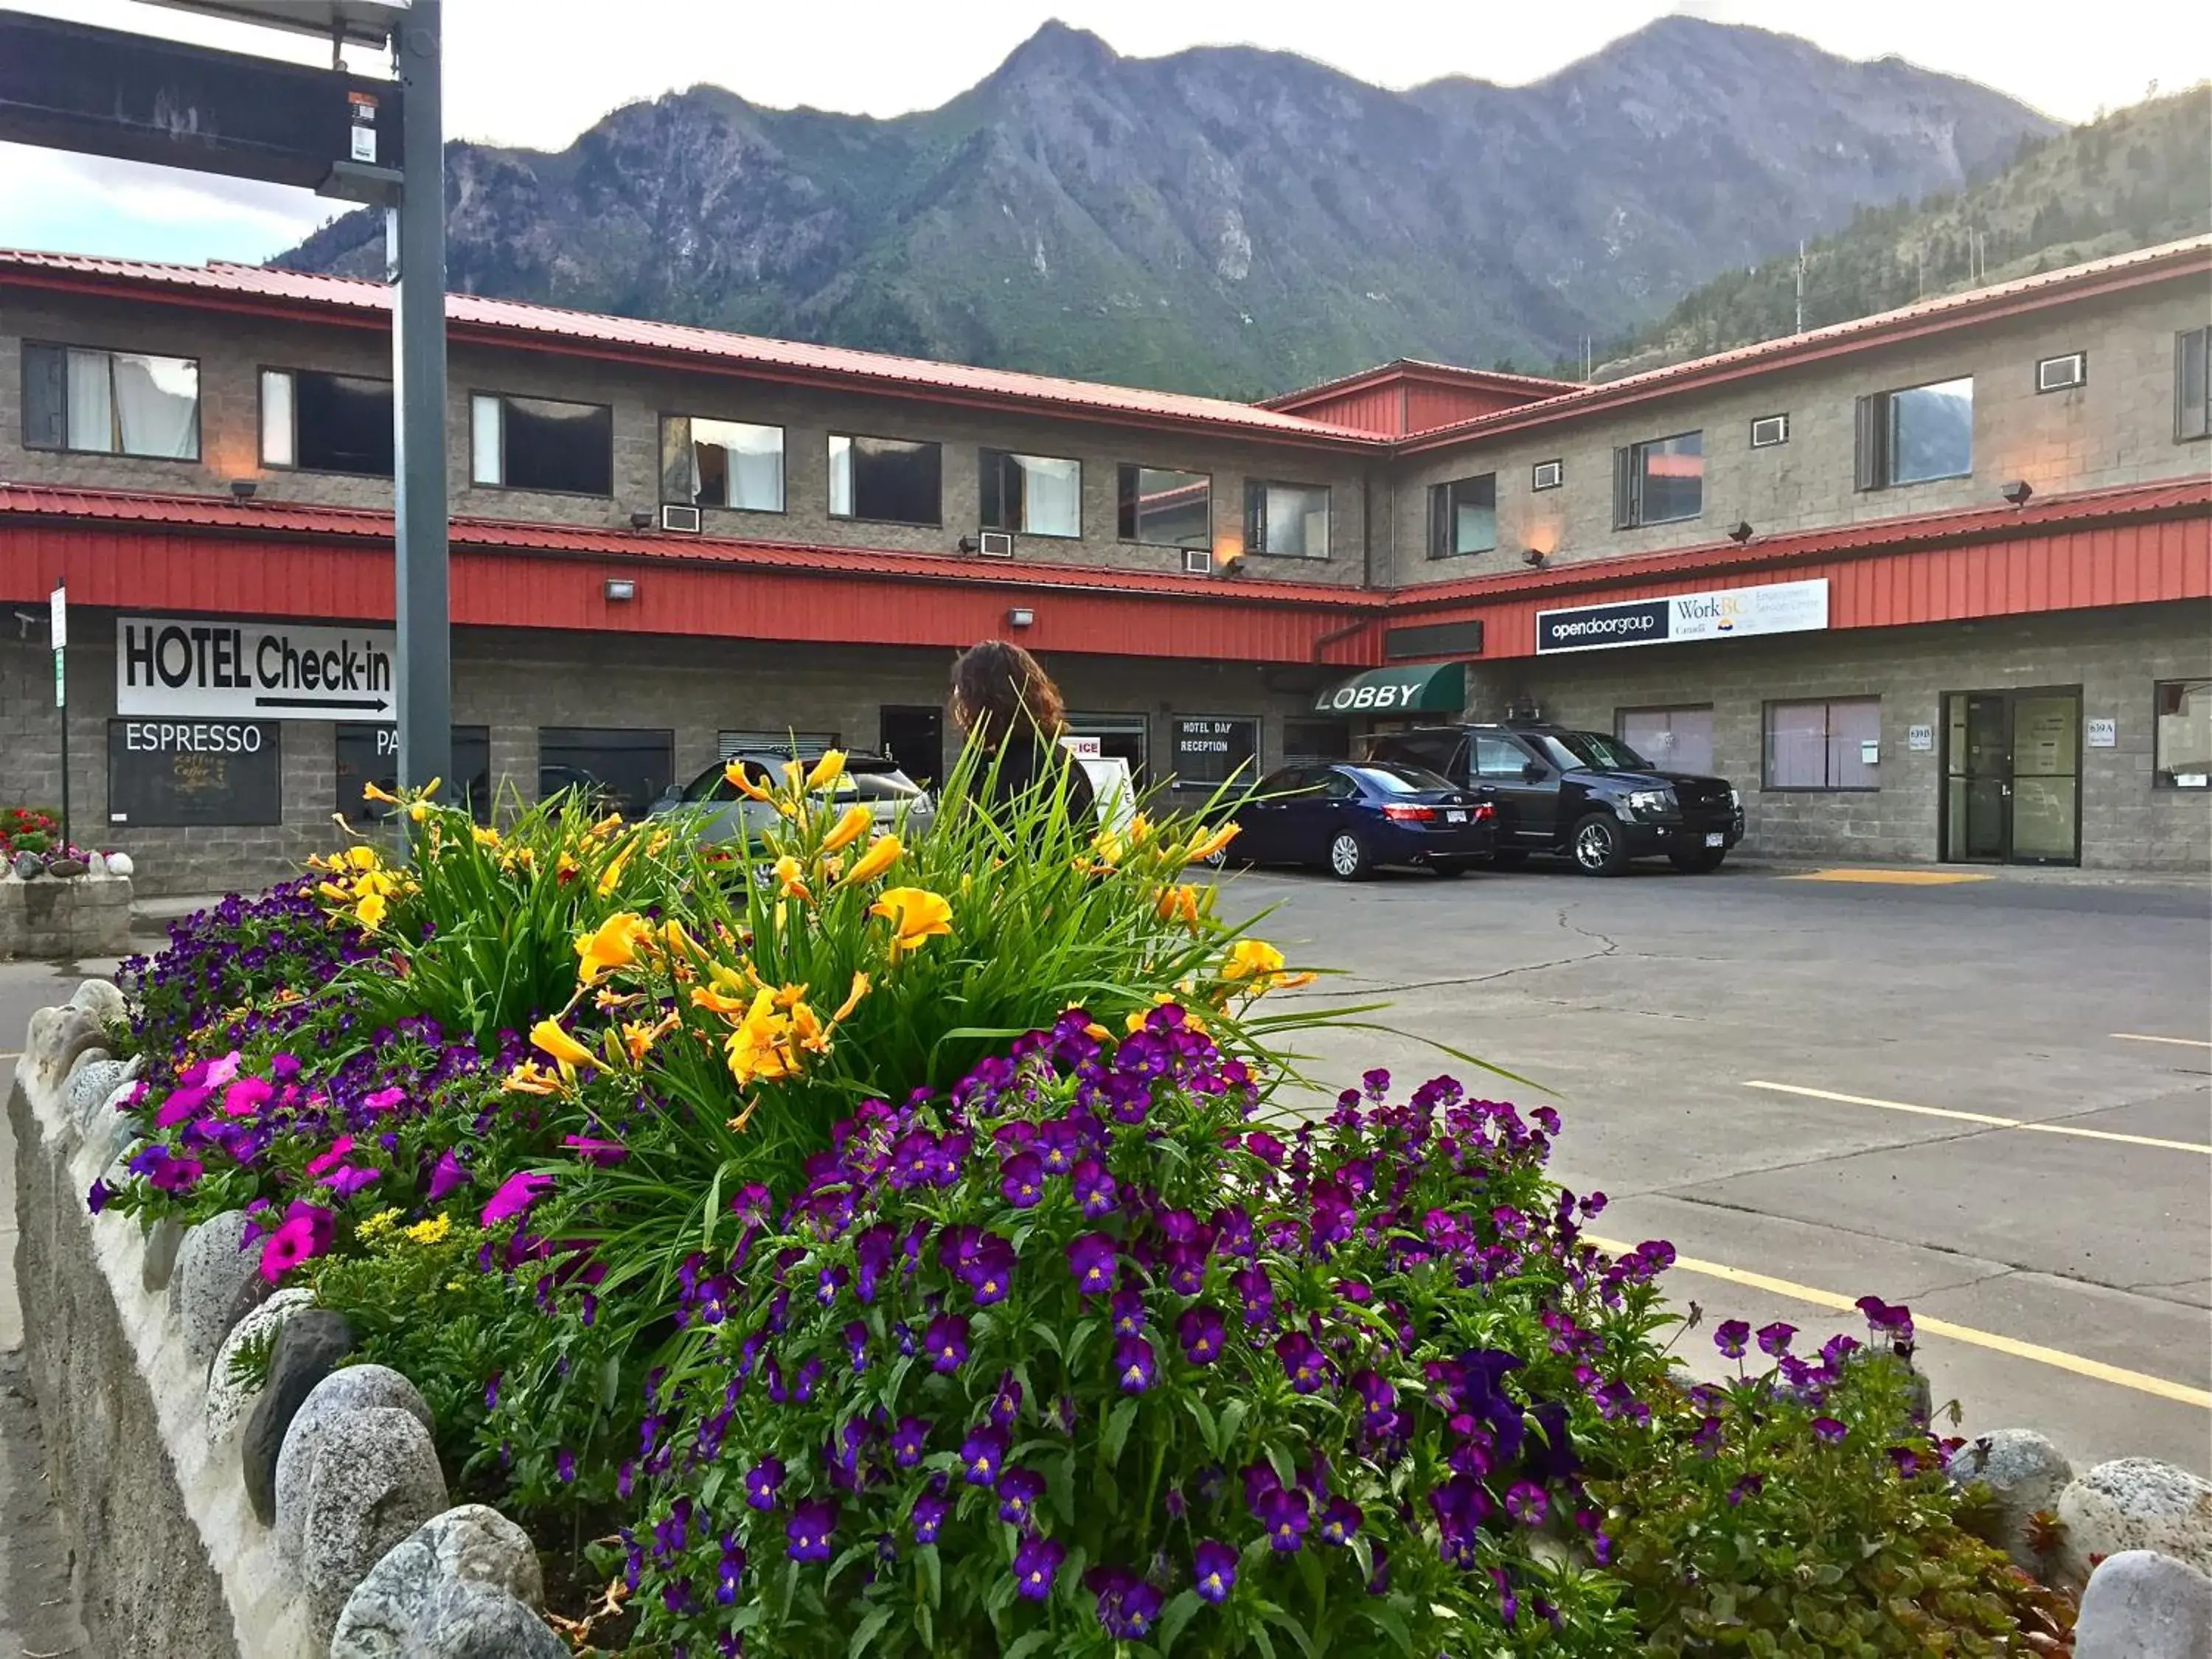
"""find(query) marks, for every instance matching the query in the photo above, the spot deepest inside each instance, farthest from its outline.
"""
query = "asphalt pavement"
(1790, 1078)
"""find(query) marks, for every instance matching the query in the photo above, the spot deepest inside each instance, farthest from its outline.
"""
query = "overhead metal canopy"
(356, 22)
(1437, 688)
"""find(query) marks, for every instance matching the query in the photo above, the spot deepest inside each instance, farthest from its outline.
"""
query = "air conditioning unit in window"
(995, 544)
(1546, 475)
(2057, 374)
(685, 518)
(1769, 429)
(1197, 562)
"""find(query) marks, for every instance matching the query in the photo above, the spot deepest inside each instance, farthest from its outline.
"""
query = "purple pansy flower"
(929, 1512)
(909, 1442)
(1774, 1339)
(1094, 1192)
(1036, 1564)
(1136, 1368)
(1021, 1180)
(946, 1343)
(1019, 1491)
(1341, 1521)
(1213, 1569)
(811, 1528)
(1201, 1333)
(761, 1482)
(1091, 1258)
(983, 1454)
(1828, 1432)
(1286, 1515)
(1731, 1336)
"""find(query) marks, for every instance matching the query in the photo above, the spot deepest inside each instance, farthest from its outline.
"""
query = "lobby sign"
(203, 668)
(1728, 612)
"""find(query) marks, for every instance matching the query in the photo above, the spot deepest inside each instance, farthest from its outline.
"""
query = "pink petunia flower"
(448, 1175)
(305, 1232)
(332, 1158)
(383, 1099)
(596, 1151)
(220, 1072)
(248, 1096)
(516, 1194)
(182, 1104)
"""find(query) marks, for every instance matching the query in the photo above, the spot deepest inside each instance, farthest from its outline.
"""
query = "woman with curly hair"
(1003, 700)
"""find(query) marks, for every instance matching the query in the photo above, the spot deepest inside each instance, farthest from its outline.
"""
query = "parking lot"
(1946, 1095)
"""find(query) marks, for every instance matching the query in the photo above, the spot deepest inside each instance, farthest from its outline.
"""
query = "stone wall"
(83, 918)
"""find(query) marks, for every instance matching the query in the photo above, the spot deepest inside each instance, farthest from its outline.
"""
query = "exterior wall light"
(621, 590)
(641, 521)
(1021, 618)
(1741, 533)
(2018, 491)
(241, 489)
(1533, 557)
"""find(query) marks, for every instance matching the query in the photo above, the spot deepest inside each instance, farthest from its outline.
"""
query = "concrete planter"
(77, 918)
(154, 1451)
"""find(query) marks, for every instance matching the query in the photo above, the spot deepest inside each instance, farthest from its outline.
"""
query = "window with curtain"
(1659, 481)
(1032, 494)
(110, 403)
(734, 464)
(890, 480)
(1162, 508)
(2192, 385)
(1463, 516)
(1916, 434)
(1286, 520)
(321, 422)
(1823, 745)
(540, 443)
(2182, 741)
(1672, 739)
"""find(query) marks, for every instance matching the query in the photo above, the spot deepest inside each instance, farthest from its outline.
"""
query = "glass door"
(2012, 777)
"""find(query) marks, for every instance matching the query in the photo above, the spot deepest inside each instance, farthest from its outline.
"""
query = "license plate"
(1715, 839)
(1454, 817)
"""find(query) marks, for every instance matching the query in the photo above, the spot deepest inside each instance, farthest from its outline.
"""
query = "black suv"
(1582, 794)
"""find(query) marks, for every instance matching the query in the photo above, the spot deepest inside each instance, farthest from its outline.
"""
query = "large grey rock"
(2025, 1472)
(163, 1240)
(120, 864)
(28, 866)
(308, 1348)
(66, 869)
(211, 1270)
(354, 1388)
(2134, 1504)
(90, 1087)
(100, 998)
(468, 1620)
(54, 1037)
(229, 1399)
(376, 1479)
(2142, 1605)
(469, 1545)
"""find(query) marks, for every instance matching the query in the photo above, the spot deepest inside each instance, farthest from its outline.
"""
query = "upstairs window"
(1286, 521)
(1161, 508)
(1031, 495)
(732, 464)
(1916, 435)
(2192, 385)
(1660, 482)
(890, 480)
(536, 443)
(1463, 516)
(110, 403)
(318, 422)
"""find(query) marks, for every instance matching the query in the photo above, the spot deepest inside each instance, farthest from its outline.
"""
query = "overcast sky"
(537, 72)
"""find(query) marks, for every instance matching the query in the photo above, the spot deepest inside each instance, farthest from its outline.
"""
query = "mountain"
(1225, 219)
(2133, 179)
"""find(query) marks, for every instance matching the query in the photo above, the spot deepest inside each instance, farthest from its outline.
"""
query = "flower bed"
(903, 1249)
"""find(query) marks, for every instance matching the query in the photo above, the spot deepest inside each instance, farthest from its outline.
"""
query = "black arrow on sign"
(327, 702)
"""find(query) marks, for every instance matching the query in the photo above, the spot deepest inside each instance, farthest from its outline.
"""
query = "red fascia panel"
(2141, 562)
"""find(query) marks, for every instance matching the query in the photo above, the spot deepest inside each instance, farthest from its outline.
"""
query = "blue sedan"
(1350, 819)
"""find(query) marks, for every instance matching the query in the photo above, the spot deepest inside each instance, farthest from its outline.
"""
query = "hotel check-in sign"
(201, 667)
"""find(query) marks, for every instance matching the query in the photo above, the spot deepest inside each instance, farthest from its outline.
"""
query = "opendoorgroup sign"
(1724, 613)
(201, 669)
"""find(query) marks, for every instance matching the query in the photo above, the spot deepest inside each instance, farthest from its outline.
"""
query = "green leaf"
(1208, 1428)
(1034, 1641)
(1392, 1624)
(1117, 1430)
(1291, 1628)
(865, 1633)
(932, 1573)
(1177, 1613)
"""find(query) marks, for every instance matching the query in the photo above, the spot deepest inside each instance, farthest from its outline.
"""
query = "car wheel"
(1509, 858)
(1598, 847)
(1700, 861)
(1348, 859)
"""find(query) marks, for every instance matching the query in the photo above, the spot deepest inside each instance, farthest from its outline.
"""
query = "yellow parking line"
(1890, 877)
(2178, 1042)
(2058, 1358)
(1990, 1119)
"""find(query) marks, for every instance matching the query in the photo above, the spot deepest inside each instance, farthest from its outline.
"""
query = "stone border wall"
(77, 918)
(188, 1544)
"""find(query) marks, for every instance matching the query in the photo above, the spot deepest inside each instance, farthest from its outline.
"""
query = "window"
(1463, 516)
(1165, 509)
(1660, 482)
(616, 770)
(110, 403)
(535, 443)
(1210, 752)
(732, 464)
(1768, 430)
(1824, 746)
(319, 422)
(1316, 740)
(891, 480)
(2059, 373)
(1033, 495)
(1675, 739)
(2182, 740)
(2192, 385)
(1439, 751)
(1920, 434)
(1547, 475)
(1286, 521)
(370, 754)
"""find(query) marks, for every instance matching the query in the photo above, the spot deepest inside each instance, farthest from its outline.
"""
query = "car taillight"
(1410, 814)
(1484, 809)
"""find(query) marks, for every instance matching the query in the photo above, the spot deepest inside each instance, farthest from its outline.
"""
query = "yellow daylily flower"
(530, 1078)
(716, 1003)
(417, 811)
(826, 770)
(758, 1048)
(883, 853)
(362, 856)
(370, 912)
(548, 1035)
(1200, 850)
(807, 1030)
(916, 915)
(370, 791)
(336, 894)
(791, 879)
(790, 996)
(852, 824)
(742, 783)
(611, 875)
(852, 998)
(638, 1038)
(1140, 828)
(1252, 958)
(679, 941)
(1179, 904)
(613, 943)
(484, 834)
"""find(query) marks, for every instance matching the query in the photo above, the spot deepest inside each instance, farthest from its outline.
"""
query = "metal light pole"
(416, 244)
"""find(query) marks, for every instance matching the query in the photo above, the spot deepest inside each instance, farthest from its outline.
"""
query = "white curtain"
(484, 433)
(840, 477)
(157, 403)
(756, 468)
(1052, 497)
(277, 448)
(91, 411)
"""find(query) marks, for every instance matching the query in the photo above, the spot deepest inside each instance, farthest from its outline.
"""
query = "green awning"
(1437, 688)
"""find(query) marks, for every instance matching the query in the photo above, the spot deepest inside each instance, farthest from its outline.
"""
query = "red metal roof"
(260, 287)
(2192, 257)
(1491, 388)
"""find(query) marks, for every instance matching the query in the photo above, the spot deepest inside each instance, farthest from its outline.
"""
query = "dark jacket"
(1027, 761)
